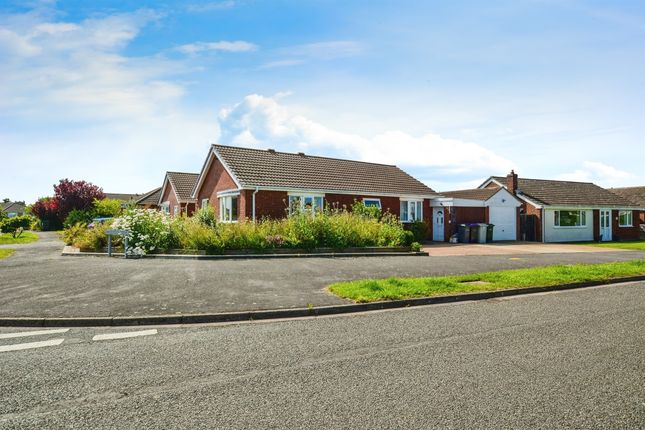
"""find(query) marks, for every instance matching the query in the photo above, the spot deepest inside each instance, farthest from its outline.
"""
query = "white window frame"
(226, 210)
(410, 203)
(176, 210)
(204, 203)
(368, 199)
(582, 216)
(630, 214)
(302, 197)
(165, 208)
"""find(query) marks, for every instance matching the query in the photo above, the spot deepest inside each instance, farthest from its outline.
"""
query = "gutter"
(254, 192)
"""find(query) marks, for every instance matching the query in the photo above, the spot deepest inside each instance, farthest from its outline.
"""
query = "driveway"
(38, 282)
(506, 248)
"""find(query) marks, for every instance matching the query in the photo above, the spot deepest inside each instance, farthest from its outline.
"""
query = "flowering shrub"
(149, 230)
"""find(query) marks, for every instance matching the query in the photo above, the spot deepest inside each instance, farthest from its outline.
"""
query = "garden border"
(228, 317)
(69, 251)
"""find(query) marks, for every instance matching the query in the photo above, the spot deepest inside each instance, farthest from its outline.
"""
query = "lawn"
(25, 237)
(372, 290)
(4, 253)
(635, 245)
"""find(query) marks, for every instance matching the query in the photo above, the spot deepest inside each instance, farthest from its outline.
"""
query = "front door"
(605, 224)
(437, 225)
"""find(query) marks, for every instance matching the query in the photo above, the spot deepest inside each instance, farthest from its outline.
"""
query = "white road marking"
(20, 346)
(32, 333)
(110, 336)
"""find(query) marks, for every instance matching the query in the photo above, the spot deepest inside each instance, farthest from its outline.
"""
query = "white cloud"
(223, 45)
(74, 105)
(211, 6)
(281, 63)
(599, 173)
(324, 50)
(262, 122)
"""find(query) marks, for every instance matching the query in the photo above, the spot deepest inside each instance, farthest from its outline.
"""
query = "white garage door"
(504, 220)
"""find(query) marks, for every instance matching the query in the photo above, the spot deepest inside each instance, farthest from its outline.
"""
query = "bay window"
(411, 210)
(228, 208)
(570, 218)
(624, 218)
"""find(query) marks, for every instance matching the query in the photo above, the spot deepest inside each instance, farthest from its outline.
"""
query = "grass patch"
(4, 253)
(373, 290)
(634, 245)
(25, 237)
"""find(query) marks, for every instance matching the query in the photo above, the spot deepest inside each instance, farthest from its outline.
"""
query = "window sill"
(626, 226)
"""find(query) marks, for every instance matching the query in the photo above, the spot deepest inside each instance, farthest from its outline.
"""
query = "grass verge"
(635, 245)
(373, 290)
(4, 253)
(25, 237)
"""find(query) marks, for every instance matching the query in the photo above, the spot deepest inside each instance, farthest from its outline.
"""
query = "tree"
(80, 195)
(46, 210)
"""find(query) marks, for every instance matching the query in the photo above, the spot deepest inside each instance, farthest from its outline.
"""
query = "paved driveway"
(38, 282)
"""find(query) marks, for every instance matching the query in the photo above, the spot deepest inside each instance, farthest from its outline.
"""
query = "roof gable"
(150, 198)
(282, 170)
(182, 184)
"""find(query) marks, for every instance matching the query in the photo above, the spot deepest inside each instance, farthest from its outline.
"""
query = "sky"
(118, 93)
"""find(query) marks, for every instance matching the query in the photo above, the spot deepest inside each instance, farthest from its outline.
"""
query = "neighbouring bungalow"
(175, 196)
(566, 211)
(149, 200)
(13, 209)
(125, 199)
(495, 206)
(251, 183)
(635, 195)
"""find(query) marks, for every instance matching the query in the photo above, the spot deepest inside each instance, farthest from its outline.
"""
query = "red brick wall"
(625, 233)
(216, 179)
(532, 210)
(462, 215)
(169, 196)
(268, 204)
(596, 224)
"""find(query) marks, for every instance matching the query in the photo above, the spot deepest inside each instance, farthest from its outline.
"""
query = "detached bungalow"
(565, 211)
(13, 209)
(251, 183)
(175, 197)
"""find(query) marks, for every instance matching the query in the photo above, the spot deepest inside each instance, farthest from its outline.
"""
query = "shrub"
(149, 230)
(415, 246)
(16, 225)
(361, 210)
(92, 238)
(106, 208)
(206, 216)
(46, 210)
(78, 216)
(419, 230)
(73, 233)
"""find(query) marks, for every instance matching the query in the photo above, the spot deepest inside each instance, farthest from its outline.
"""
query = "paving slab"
(38, 282)
(462, 249)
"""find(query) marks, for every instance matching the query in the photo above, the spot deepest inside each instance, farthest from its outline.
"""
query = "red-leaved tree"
(69, 195)
(46, 210)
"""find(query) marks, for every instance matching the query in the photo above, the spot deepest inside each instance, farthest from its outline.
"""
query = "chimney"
(271, 150)
(302, 154)
(511, 182)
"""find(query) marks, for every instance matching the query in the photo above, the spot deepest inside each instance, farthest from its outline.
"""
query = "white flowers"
(149, 230)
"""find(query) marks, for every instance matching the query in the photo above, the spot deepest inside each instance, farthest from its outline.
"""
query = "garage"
(481, 205)
(505, 221)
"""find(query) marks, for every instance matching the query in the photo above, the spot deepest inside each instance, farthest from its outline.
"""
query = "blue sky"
(119, 92)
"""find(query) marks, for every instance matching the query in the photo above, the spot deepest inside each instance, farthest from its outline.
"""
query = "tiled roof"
(183, 183)
(14, 206)
(566, 193)
(150, 198)
(474, 194)
(264, 168)
(121, 196)
(633, 194)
